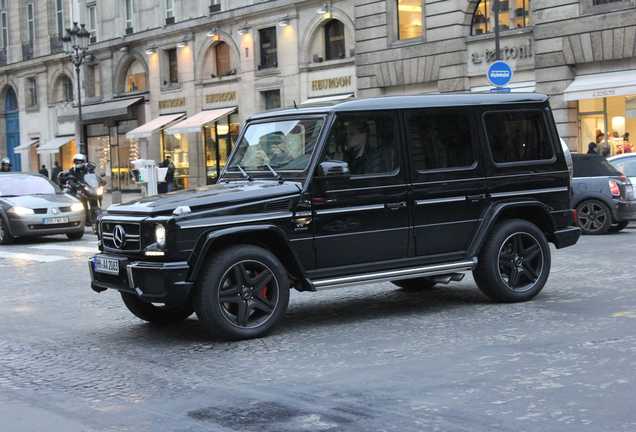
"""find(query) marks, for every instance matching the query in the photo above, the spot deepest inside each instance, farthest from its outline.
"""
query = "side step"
(447, 270)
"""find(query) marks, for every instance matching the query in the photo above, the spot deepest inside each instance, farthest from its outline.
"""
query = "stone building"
(580, 52)
(170, 78)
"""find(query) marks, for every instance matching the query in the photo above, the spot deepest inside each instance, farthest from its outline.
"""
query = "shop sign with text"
(223, 97)
(518, 52)
(172, 103)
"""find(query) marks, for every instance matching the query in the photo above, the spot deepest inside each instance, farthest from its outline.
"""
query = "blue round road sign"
(499, 73)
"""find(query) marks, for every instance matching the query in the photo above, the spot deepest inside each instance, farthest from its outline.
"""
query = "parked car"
(31, 205)
(416, 190)
(602, 195)
(626, 164)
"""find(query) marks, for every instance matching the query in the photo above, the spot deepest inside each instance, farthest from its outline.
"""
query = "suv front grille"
(114, 232)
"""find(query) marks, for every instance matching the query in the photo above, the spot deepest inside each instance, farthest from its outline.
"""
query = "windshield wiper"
(243, 173)
(274, 173)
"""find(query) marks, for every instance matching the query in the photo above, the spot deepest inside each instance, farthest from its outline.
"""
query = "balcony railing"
(214, 8)
(57, 45)
(27, 51)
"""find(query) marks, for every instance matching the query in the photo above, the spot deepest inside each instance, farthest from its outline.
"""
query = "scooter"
(90, 191)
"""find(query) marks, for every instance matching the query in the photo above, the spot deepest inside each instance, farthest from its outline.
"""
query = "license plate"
(107, 265)
(55, 221)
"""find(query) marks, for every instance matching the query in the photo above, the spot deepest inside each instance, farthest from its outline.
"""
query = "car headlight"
(21, 211)
(77, 207)
(160, 235)
(100, 190)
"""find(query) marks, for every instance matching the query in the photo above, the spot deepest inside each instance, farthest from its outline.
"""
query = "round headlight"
(160, 235)
(21, 211)
(77, 207)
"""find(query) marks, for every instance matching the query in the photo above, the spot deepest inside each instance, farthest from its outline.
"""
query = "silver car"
(31, 205)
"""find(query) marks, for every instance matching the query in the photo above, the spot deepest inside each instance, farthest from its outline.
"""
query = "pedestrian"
(627, 146)
(55, 173)
(44, 171)
(167, 163)
(592, 148)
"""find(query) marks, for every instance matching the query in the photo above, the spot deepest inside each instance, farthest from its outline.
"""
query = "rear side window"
(368, 142)
(518, 136)
(626, 165)
(439, 140)
(593, 166)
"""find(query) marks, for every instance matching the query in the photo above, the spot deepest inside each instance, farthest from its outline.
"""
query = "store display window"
(177, 147)
(220, 138)
(607, 125)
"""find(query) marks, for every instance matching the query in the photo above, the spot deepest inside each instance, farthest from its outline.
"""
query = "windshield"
(91, 180)
(283, 145)
(20, 185)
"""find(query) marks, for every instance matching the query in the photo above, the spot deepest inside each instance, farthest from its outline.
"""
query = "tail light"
(574, 216)
(615, 189)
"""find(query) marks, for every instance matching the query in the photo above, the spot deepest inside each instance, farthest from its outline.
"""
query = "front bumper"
(625, 211)
(156, 282)
(33, 225)
(566, 237)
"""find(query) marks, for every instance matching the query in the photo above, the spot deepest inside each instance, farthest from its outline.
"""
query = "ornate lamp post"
(76, 47)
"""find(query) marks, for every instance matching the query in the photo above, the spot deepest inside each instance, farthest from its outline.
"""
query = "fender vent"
(277, 206)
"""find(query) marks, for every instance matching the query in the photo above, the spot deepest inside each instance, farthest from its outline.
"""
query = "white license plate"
(107, 265)
(55, 221)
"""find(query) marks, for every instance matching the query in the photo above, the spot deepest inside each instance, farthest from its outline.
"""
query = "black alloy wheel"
(593, 217)
(520, 261)
(5, 236)
(514, 263)
(243, 293)
(248, 294)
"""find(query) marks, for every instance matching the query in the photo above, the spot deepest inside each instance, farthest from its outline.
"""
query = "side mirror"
(333, 168)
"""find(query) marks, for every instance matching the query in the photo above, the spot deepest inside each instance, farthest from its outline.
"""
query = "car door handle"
(476, 198)
(395, 206)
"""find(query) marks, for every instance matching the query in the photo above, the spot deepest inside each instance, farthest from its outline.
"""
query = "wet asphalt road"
(370, 358)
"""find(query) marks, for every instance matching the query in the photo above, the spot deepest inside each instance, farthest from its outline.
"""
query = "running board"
(391, 275)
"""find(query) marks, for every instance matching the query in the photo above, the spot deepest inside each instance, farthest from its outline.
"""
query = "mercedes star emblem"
(119, 236)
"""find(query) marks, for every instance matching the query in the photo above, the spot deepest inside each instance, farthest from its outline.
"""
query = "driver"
(5, 165)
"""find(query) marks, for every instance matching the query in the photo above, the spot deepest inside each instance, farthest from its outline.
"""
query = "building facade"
(169, 78)
(580, 52)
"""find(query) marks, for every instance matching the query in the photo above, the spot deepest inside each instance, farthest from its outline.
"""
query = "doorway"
(12, 119)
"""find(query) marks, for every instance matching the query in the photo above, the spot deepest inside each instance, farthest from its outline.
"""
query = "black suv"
(414, 190)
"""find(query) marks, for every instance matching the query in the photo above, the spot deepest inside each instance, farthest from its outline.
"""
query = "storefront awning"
(54, 145)
(110, 109)
(328, 99)
(23, 148)
(197, 121)
(602, 85)
(146, 130)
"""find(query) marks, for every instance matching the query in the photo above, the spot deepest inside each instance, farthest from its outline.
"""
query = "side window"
(367, 142)
(627, 166)
(518, 136)
(439, 140)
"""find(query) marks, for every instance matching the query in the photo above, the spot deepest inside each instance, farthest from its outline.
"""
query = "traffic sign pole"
(497, 39)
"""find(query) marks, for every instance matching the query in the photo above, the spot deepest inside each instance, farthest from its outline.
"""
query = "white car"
(625, 163)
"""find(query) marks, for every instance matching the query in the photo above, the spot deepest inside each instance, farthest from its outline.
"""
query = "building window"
(30, 17)
(222, 58)
(129, 11)
(4, 25)
(173, 66)
(335, 40)
(170, 10)
(92, 22)
(409, 19)
(59, 17)
(93, 81)
(32, 92)
(135, 78)
(67, 89)
(271, 99)
(269, 55)
(513, 14)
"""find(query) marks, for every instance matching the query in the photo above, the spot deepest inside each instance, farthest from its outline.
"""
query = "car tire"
(254, 284)
(5, 236)
(620, 226)
(415, 284)
(156, 314)
(593, 217)
(514, 264)
(75, 235)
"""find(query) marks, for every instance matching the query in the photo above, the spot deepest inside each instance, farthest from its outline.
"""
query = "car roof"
(622, 156)
(410, 102)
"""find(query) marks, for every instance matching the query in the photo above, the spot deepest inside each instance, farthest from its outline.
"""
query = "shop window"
(271, 99)
(135, 78)
(268, 50)
(335, 40)
(31, 92)
(518, 136)
(513, 14)
(177, 147)
(367, 142)
(409, 19)
(439, 140)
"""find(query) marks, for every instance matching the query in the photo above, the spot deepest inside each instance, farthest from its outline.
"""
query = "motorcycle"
(90, 191)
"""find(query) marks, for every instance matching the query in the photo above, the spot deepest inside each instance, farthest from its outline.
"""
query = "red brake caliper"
(262, 292)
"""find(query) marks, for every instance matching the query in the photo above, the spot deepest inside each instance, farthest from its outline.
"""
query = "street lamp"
(76, 47)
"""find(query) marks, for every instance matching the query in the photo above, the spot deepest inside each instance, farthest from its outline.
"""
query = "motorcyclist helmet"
(5, 164)
(79, 160)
